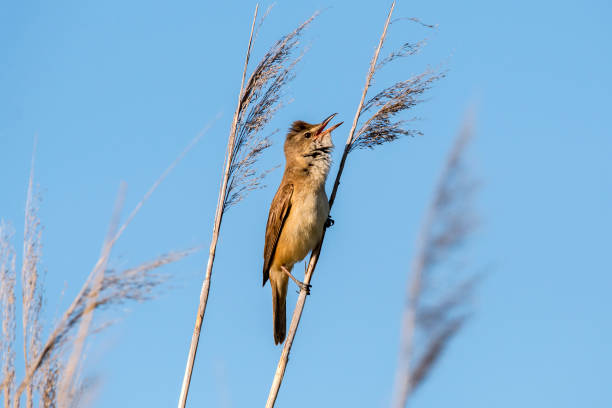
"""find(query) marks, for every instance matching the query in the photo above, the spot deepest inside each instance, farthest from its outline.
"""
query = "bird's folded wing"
(281, 204)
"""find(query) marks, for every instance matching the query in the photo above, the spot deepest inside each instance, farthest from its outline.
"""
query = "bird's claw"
(329, 222)
(305, 287)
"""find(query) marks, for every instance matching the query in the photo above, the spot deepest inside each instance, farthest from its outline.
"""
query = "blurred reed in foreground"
(438, 293)
(52, 366)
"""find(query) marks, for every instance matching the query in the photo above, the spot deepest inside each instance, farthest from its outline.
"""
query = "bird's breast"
(303, 227)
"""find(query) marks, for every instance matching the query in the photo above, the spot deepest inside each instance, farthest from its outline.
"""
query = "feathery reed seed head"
(260, 100)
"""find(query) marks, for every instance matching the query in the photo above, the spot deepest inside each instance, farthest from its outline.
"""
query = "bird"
(299, 211)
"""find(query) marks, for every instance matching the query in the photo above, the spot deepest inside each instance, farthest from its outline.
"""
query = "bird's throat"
(316, 169)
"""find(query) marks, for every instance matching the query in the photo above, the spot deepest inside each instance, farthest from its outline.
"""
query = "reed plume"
(258, 100)
(380, 127)
(383, 126)
(437, 303)
(261, 99)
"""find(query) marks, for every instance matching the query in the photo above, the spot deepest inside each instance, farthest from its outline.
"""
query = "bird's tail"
(279, 302)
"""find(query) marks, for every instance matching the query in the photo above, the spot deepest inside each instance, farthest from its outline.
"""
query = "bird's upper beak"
(321, 132)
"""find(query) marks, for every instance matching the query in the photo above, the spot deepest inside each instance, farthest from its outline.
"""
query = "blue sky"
(116, 90)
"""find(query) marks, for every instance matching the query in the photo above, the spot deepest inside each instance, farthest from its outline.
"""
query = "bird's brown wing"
(281, 204)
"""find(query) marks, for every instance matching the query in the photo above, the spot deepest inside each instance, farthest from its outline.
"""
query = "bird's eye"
(307, 135)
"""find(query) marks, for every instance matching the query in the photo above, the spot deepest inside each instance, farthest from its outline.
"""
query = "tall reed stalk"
(31, 298)
(258, 100)
(379, 128)
(215, 236)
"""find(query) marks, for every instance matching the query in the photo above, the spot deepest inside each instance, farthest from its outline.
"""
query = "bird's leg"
(302, 285)
(330, 221)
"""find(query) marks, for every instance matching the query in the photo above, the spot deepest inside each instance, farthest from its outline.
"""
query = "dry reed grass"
(52, 368)
(380, 127)
(258, 101)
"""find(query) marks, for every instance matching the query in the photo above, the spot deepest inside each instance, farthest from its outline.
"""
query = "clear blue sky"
(115, 90)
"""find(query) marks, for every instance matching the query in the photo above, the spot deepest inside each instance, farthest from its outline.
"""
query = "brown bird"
(299, 211)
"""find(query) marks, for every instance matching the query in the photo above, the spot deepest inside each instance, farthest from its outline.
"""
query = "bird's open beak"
(321, 132)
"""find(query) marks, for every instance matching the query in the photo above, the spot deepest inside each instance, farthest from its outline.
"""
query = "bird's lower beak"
(321, 132)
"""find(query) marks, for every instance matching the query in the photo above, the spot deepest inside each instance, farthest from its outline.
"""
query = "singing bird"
(299, 211)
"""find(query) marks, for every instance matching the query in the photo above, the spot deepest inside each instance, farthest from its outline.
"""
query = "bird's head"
(306, 143)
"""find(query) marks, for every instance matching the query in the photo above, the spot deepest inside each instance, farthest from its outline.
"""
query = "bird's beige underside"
(302, 228)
